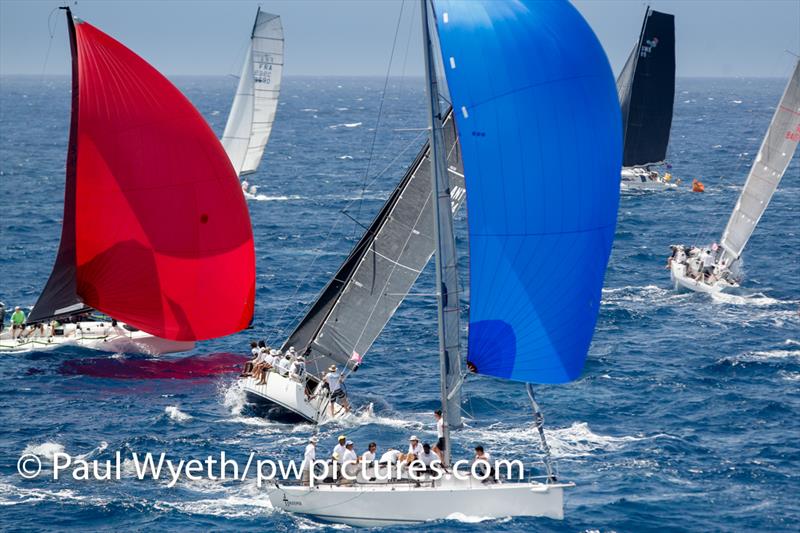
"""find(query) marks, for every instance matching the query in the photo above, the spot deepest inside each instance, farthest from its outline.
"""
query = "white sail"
(253, 110)
(771, 162)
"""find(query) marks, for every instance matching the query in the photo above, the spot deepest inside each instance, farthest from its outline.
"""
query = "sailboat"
(359, 300)
(646, 88)
(721, 270)
(528, 82)
(256, 101)
(156, 233)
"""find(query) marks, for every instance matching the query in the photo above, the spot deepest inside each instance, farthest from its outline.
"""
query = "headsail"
(256, 101)
(540, 132)
(354, 307)
(156, 230)
(646, 90)
(768, 168)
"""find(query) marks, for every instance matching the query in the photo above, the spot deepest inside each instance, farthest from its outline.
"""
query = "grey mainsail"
(356, 304)
(768, 168)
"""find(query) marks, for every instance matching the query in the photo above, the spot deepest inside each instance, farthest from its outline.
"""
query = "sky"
(354, 38)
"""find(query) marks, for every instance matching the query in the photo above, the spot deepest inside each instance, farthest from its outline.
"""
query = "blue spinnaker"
(539, 122)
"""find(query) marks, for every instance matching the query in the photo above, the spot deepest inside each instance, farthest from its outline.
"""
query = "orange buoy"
(697, 186)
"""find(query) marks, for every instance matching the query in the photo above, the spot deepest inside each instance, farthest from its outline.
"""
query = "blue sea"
(685, 417)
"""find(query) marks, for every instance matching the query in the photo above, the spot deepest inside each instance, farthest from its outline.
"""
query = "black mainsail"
(353, 308)
(646, 90)
(60, 295)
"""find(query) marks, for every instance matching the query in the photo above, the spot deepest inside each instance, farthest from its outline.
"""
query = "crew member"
(440, 446)
(17, 322)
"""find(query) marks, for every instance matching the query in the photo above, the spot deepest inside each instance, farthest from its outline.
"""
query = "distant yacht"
(646, 89)
(716, 268)
(256, 101)
(511, 69)
(156, 233)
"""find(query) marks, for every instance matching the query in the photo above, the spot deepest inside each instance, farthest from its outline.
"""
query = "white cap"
(313, 439)
(414, 437)
(348, 443)
(273, 352)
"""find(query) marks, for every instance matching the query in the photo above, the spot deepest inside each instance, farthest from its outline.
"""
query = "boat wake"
(577, 440)
(758, 299)
(192, 367)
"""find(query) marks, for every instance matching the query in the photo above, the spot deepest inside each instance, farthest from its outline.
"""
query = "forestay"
(646, 91)
(354, 307)
(768, 168)
(253, 110)
(540, 131)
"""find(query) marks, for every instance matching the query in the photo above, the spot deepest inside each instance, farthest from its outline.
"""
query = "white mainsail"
(253, 110)
(768, 168)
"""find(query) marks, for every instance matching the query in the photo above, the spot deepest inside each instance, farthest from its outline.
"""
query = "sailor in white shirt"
(414, 449)
(484, 460)
(334, 381)
(369, 455)
(299, 367)
(428, 457)
(440, 443)
(391, 456)
(339, 449)
(308, 459)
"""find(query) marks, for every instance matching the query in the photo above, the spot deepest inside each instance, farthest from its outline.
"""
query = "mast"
(446, 272)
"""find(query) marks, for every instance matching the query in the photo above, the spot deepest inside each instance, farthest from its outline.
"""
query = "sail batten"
(771, 162)
(646, 91)
(541, 143)
(255, 103)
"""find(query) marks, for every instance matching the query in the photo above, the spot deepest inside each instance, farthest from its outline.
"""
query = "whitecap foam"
(577, 440)
(345, 125)
(45, 450)
(267, 198)
(176, 414)
(345, 157)
(757, 299)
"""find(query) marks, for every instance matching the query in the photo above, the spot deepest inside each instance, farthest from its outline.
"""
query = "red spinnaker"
(162, 233)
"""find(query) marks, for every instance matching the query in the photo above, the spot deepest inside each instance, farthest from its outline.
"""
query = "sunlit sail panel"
(156, 230)
(542, 155)
(768, 168)
(253, 110)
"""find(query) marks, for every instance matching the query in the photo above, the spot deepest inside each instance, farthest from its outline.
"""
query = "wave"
(577, 440)
(345, 157)
(267, 198)
(757, 299)
(345, 125)
(45, 450)
(176, 414)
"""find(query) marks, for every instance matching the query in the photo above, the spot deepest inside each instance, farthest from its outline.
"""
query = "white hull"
(285, 398)
(94, 336)
(681, 281)
(639, 179)
(406, 503)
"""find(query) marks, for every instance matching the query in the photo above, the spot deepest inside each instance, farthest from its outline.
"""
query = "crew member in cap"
(334, 381)
(339, 449)
(308, 459)
(414, 449)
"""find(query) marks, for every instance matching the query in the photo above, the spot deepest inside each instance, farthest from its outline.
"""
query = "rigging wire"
(413, 142)
(705, 233)
(51, 30)
(380, 112)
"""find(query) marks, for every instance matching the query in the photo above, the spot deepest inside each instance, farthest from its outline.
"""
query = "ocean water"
(685, 417)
